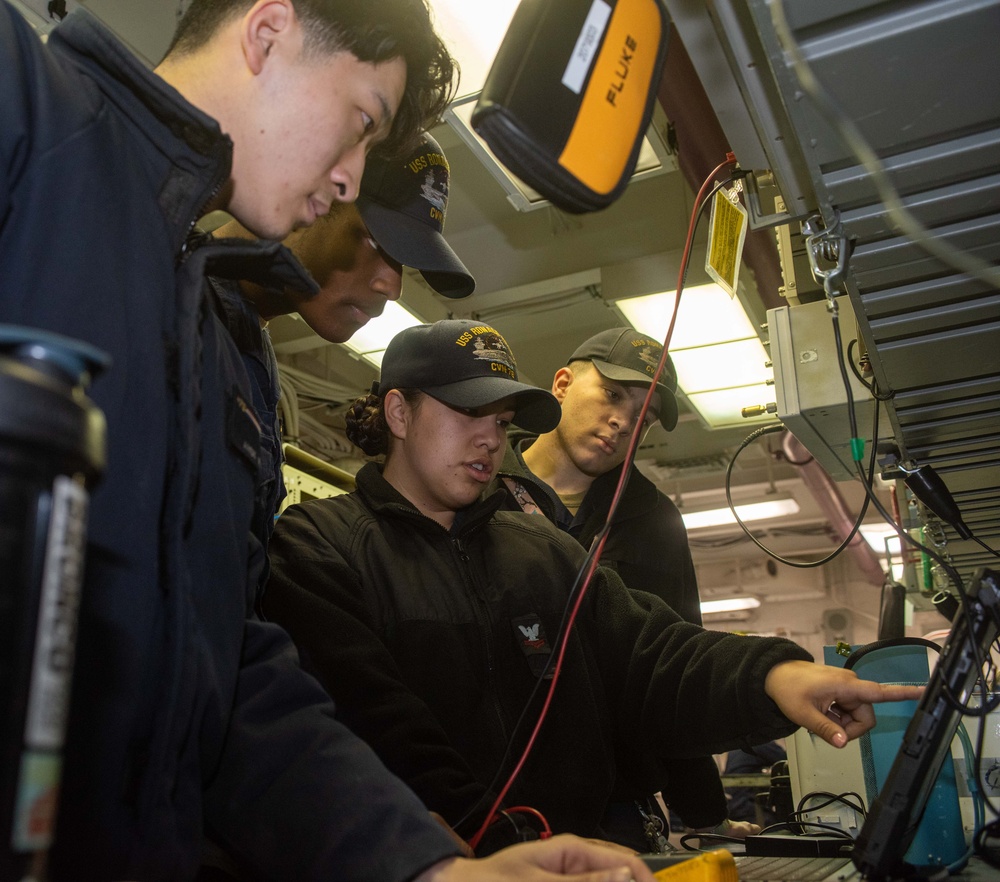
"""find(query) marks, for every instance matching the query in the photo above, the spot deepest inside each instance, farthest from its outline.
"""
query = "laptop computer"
(878, 852)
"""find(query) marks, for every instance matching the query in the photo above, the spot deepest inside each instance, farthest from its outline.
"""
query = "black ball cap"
(403, 204)
(465, 364)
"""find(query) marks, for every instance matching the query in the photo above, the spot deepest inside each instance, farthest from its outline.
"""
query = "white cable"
(316, 387)
(323, 438)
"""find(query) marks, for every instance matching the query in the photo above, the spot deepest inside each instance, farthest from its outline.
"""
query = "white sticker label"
(586, 46)
(55, 640)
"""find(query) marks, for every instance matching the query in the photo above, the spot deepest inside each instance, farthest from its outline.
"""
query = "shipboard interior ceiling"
(896, 158)
(916, 80)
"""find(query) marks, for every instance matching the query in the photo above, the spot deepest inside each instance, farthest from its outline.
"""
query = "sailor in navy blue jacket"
(188, 713)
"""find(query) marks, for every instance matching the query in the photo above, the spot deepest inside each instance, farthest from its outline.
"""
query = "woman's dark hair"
(373, 31)
(366, 425)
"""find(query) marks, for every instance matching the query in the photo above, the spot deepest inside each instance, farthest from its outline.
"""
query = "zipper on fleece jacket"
(481, 603)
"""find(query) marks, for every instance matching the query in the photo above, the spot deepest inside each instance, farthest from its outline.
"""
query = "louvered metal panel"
(919, 82)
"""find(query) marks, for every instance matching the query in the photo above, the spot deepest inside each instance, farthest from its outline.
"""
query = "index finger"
(874, 693)
(588, 862)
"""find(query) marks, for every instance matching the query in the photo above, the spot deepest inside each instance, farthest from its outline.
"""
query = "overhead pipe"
(701, 145)
(832, 503)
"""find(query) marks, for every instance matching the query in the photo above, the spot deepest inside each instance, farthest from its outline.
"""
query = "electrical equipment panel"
(809, 388)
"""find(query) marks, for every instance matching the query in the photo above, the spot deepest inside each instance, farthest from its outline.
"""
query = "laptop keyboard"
(788, 869)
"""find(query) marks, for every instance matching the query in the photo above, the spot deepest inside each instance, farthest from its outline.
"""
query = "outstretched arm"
(829, 701)
(560, 858)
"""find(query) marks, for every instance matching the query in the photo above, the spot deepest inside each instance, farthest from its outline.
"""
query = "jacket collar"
(385, 501)
(641, 495)
(269, 264)
(200, 154)
(513, 467)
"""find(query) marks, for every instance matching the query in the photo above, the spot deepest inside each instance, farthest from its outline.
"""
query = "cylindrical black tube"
(51, 451)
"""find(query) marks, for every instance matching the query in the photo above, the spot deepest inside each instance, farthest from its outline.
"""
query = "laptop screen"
(896, 812)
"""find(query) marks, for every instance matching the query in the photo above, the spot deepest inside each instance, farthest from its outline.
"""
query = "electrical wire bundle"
(925, 484)
(302, 392)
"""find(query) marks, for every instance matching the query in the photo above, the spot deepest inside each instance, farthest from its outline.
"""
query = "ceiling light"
(707, 315)
(881, 537)
(370, 341)
(754, 511)
(897, 569)
(710, 367)
(473, 31)
(720, 362)
(885, 541)
(655, 156)
(728, 604)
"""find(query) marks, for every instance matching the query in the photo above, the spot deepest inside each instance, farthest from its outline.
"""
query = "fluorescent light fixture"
(654, 155)
(709, 367)
(728, 604)
(897, 569)
(723, 409)
(708, 315)
(884, 541)
(370, 341)
(473, 30)
(881, 537)
(720, 362)
(754, 511)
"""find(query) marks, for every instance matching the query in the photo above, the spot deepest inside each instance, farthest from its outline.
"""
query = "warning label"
(725, 241)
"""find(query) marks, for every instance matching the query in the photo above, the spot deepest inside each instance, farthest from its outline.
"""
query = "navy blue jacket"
(188, 715)
(273, 265)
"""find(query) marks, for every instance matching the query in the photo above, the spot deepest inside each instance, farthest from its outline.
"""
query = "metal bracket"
(829, 244)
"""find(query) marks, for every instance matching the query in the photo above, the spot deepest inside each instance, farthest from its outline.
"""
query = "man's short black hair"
(371, 30)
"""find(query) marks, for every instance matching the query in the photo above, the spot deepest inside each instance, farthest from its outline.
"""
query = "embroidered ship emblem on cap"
(489, 346)
(435, 189)
(649, 357)
(494, 349)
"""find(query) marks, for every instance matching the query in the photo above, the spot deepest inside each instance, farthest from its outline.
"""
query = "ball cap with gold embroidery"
(465, 364)
(626, 356)
(403, 204)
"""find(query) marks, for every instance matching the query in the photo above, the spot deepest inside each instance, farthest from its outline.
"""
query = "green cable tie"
(858, 449)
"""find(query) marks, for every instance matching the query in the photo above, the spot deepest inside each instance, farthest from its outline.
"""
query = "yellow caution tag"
(726, 233)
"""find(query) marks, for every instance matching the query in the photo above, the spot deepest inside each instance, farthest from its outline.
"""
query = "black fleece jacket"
(647, 545)
(432, 641)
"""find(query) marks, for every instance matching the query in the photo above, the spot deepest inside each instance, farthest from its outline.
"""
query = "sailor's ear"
(265, 24)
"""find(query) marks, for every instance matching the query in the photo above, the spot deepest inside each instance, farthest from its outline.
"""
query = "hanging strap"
(522, 496)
